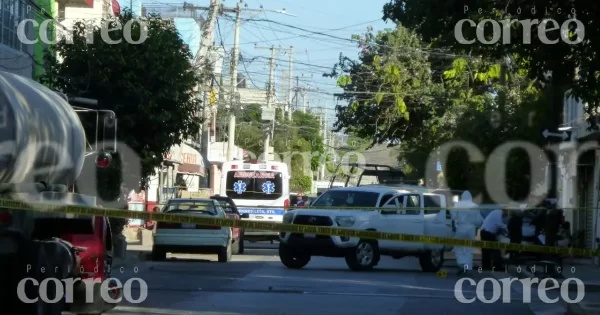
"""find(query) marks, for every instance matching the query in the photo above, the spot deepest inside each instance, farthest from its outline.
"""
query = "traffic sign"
(438, 166)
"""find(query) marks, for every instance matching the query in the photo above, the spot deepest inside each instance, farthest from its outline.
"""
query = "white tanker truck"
(42, 152)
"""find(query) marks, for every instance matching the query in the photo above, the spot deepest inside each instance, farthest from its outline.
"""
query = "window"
(11, 14)
(262, 185)
(384, 199)
(227, 207)
(398, 202)
(432, 202)
(189, 206)
(412, 205)
(347, 198)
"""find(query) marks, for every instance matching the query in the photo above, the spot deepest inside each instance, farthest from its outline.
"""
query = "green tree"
(302, 134)
(150, 85)
(385, 88)
(453, 101)
(435, 21)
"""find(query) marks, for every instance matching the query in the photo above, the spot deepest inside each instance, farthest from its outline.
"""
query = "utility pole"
(269, 133)
(284, 93)
(324, 126)
(297, 89)
(304, 101)
(270, 94)
(207, 41)
(203, 52)
(234, 70)
(291, 72)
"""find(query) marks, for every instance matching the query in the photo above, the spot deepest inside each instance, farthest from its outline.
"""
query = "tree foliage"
(458, 99)
(385, 88)
(148, 85)
(435, 21)
(302, 134)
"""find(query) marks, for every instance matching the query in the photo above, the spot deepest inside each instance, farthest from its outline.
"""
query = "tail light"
(167, 225)
(234, 167)
(103, 160)
(274, 167)
(5, 218)
(208, 227)
(286, 204)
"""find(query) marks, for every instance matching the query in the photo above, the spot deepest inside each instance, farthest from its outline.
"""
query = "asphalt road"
(257, 283)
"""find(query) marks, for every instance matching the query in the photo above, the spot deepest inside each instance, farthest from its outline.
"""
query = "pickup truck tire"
(158, 255)
(432, 260)
(292, 259)
(364, 256)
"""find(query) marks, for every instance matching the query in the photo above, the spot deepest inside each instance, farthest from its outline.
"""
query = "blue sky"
(314, 54)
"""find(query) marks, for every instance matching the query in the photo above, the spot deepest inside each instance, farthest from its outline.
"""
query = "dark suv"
(232, 212)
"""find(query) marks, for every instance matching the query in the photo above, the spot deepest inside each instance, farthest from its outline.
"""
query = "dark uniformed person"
(515, 229)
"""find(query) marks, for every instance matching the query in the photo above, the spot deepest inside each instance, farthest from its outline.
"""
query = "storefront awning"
(192, 161)
(191, 169)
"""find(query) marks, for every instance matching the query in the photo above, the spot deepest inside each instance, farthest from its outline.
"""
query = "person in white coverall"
(467, 223)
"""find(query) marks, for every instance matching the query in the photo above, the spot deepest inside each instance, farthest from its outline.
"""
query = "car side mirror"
(307, 203)
(390, 206)
(245, 216)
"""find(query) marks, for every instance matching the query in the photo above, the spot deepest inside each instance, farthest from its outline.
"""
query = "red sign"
(254, 175)
(189, 158)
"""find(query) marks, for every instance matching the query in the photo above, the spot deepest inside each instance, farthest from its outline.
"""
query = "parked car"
(191, 238)
(400, 211)
(232, 212)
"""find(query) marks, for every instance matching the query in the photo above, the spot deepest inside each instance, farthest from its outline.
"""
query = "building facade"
(15, 56)
(579, 180)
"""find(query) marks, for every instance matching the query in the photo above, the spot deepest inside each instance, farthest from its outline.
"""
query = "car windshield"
(347, 198)
(191, 212)
(226, 205)
(196, 206)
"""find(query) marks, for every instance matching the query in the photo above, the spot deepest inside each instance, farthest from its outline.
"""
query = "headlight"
(345, 221)
(288, 218)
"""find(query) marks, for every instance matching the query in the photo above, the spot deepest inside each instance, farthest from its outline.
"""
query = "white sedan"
(192, 238)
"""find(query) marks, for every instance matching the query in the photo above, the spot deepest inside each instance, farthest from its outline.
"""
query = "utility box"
(268, 113)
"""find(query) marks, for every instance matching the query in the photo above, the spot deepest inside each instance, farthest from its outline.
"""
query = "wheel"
(34, 255)
(292, 259)
(365, 256)
(158, 255)
(225, 253)
(235, 248)
(241, 251)
(432, 261)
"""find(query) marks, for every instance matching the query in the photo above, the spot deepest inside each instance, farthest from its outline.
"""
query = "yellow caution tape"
(379, 208)
(291, 228)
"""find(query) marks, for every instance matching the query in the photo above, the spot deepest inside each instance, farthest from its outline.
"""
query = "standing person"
(515, 229)
(300, 202)
(490, 229)
(150, 224)
(468, 220)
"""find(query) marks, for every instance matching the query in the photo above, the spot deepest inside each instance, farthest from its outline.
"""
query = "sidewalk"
(581, 269)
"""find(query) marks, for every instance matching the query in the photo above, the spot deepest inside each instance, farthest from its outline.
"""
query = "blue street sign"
(438, 166)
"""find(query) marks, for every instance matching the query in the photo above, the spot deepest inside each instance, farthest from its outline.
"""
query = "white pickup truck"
(397, 214)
